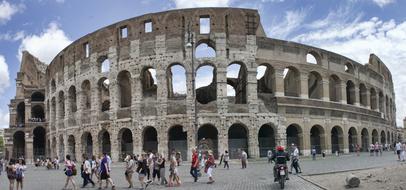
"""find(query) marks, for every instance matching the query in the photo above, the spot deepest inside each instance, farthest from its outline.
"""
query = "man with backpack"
(86, 171)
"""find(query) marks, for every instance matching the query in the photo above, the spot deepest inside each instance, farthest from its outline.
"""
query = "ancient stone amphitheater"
(113, 91)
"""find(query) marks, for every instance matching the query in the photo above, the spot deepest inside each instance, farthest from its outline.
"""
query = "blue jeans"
(193, 172)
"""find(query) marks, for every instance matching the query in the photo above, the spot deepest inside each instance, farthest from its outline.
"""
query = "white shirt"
(398, 146)
(296, 152)
(86, 167)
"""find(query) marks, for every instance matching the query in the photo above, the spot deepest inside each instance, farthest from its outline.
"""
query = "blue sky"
(354, 28)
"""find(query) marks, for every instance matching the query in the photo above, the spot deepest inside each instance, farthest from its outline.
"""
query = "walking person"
(129, 170)
(105, 172)
(86, 171)
(269, 156)
(226, 159)
(173, 170)
(398, 149)
(376, 149)
(70, 172)
(11, 173)
(403, 152)
(194, 165)
(155, 169)
(94, 167)
(20, 168)
(314, 153)
(142, 169)
(161, 164)
(209, 167)
(243, 159)
(295, 160)
(357, 149)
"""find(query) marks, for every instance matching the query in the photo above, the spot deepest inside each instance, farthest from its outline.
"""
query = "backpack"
(19, 174)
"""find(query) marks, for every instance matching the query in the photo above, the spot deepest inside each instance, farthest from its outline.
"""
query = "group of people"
(48, 163)
(15, 172)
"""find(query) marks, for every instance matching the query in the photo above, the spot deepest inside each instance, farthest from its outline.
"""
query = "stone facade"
(330, 105)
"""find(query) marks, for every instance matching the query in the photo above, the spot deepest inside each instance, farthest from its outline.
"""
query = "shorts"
(210, 171)
(141, 175)
(104, 175)
(398, 152)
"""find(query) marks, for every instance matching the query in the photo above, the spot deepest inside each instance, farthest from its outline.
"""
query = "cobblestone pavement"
(257, 176)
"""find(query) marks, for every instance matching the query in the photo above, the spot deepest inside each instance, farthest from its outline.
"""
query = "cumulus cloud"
(7, 10)
(383, 3)
(180, 4)
(4, 119)
(292, 21)
(358, 39)
(46, 45)
(12, 36)
(4, 75)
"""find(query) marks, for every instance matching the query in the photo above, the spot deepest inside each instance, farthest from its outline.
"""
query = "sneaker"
(287, 178)
(275, 179)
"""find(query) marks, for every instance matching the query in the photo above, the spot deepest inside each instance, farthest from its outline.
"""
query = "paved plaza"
(257, 176)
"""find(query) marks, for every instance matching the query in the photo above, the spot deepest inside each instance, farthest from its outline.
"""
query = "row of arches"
(207, 136)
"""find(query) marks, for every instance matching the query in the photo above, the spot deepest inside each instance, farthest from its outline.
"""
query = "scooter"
(281, 175)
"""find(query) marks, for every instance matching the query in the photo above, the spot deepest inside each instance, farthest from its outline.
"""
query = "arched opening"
(104, 64)
(363, 95)
(61, 153)
(291, 79)
(19, 144)
(365, 140)
(387, 107)
(37, 97)
(53, 106)
(37, 113)
(87, 144)
(375, 138)
(124, 86)
(207, 137)
(337, 139)
(350, 89)
(352, 139)
(266, 139)
(313, 58)
(388, 138)
(315, 85)
(317, 138)
(381, 102)
(177, 141)
(383, 138)
(335, 88)
(104, 94)
(86, 95)
(126, 142)
(237, 140)
(61, 102)
(294, 135)
(150, 142)
(373, 99)
(265, 79)
(176, 77)
(104, 142)
(20, 114)
(206, 84)
(53, 86)
(71, 147)
(149, 82)
(39, 143)
(349, 68)
(237, 78)
(204, 50)
(72, 99)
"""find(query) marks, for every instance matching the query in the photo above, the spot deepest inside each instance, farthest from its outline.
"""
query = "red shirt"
(194, 160)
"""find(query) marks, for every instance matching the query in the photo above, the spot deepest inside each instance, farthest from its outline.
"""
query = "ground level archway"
(19, 144)
(266, 139)
(71, 147)
(87, 144)
(294, 136)
(352, 139)
(126, 143)
(104, 142)
(337, 139)
(39, 143)
(207, 137)
(237, 140)
(150, 142)
(365, 140)
(177, 141)
(317, 138)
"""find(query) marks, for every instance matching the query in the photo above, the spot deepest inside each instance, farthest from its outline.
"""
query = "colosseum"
(113, 91)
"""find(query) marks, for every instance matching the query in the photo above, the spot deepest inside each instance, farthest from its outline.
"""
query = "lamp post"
(190, 44)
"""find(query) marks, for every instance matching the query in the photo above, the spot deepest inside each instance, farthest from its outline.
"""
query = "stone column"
(191, 141)
(252, 95)
(326, 89)
(326, 140)
(114, 146)
(162, 140)
(344, 136)
(222, 137)
(357, 99)
(359, 139)
(253, 145)
(304, 86)
(78, 147)
(280, 136)
(29, 151)
(279, 82)
(305, 137)
(343, 93)
(368, 96)
(222, 100)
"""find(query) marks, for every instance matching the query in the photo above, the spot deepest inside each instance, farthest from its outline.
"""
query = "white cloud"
(4, 119)
(4, 75)
(383, 3)
(46, 45)
(358, 39)
(7, 10)
(12, 37)
(180, 4)
(292, 21)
